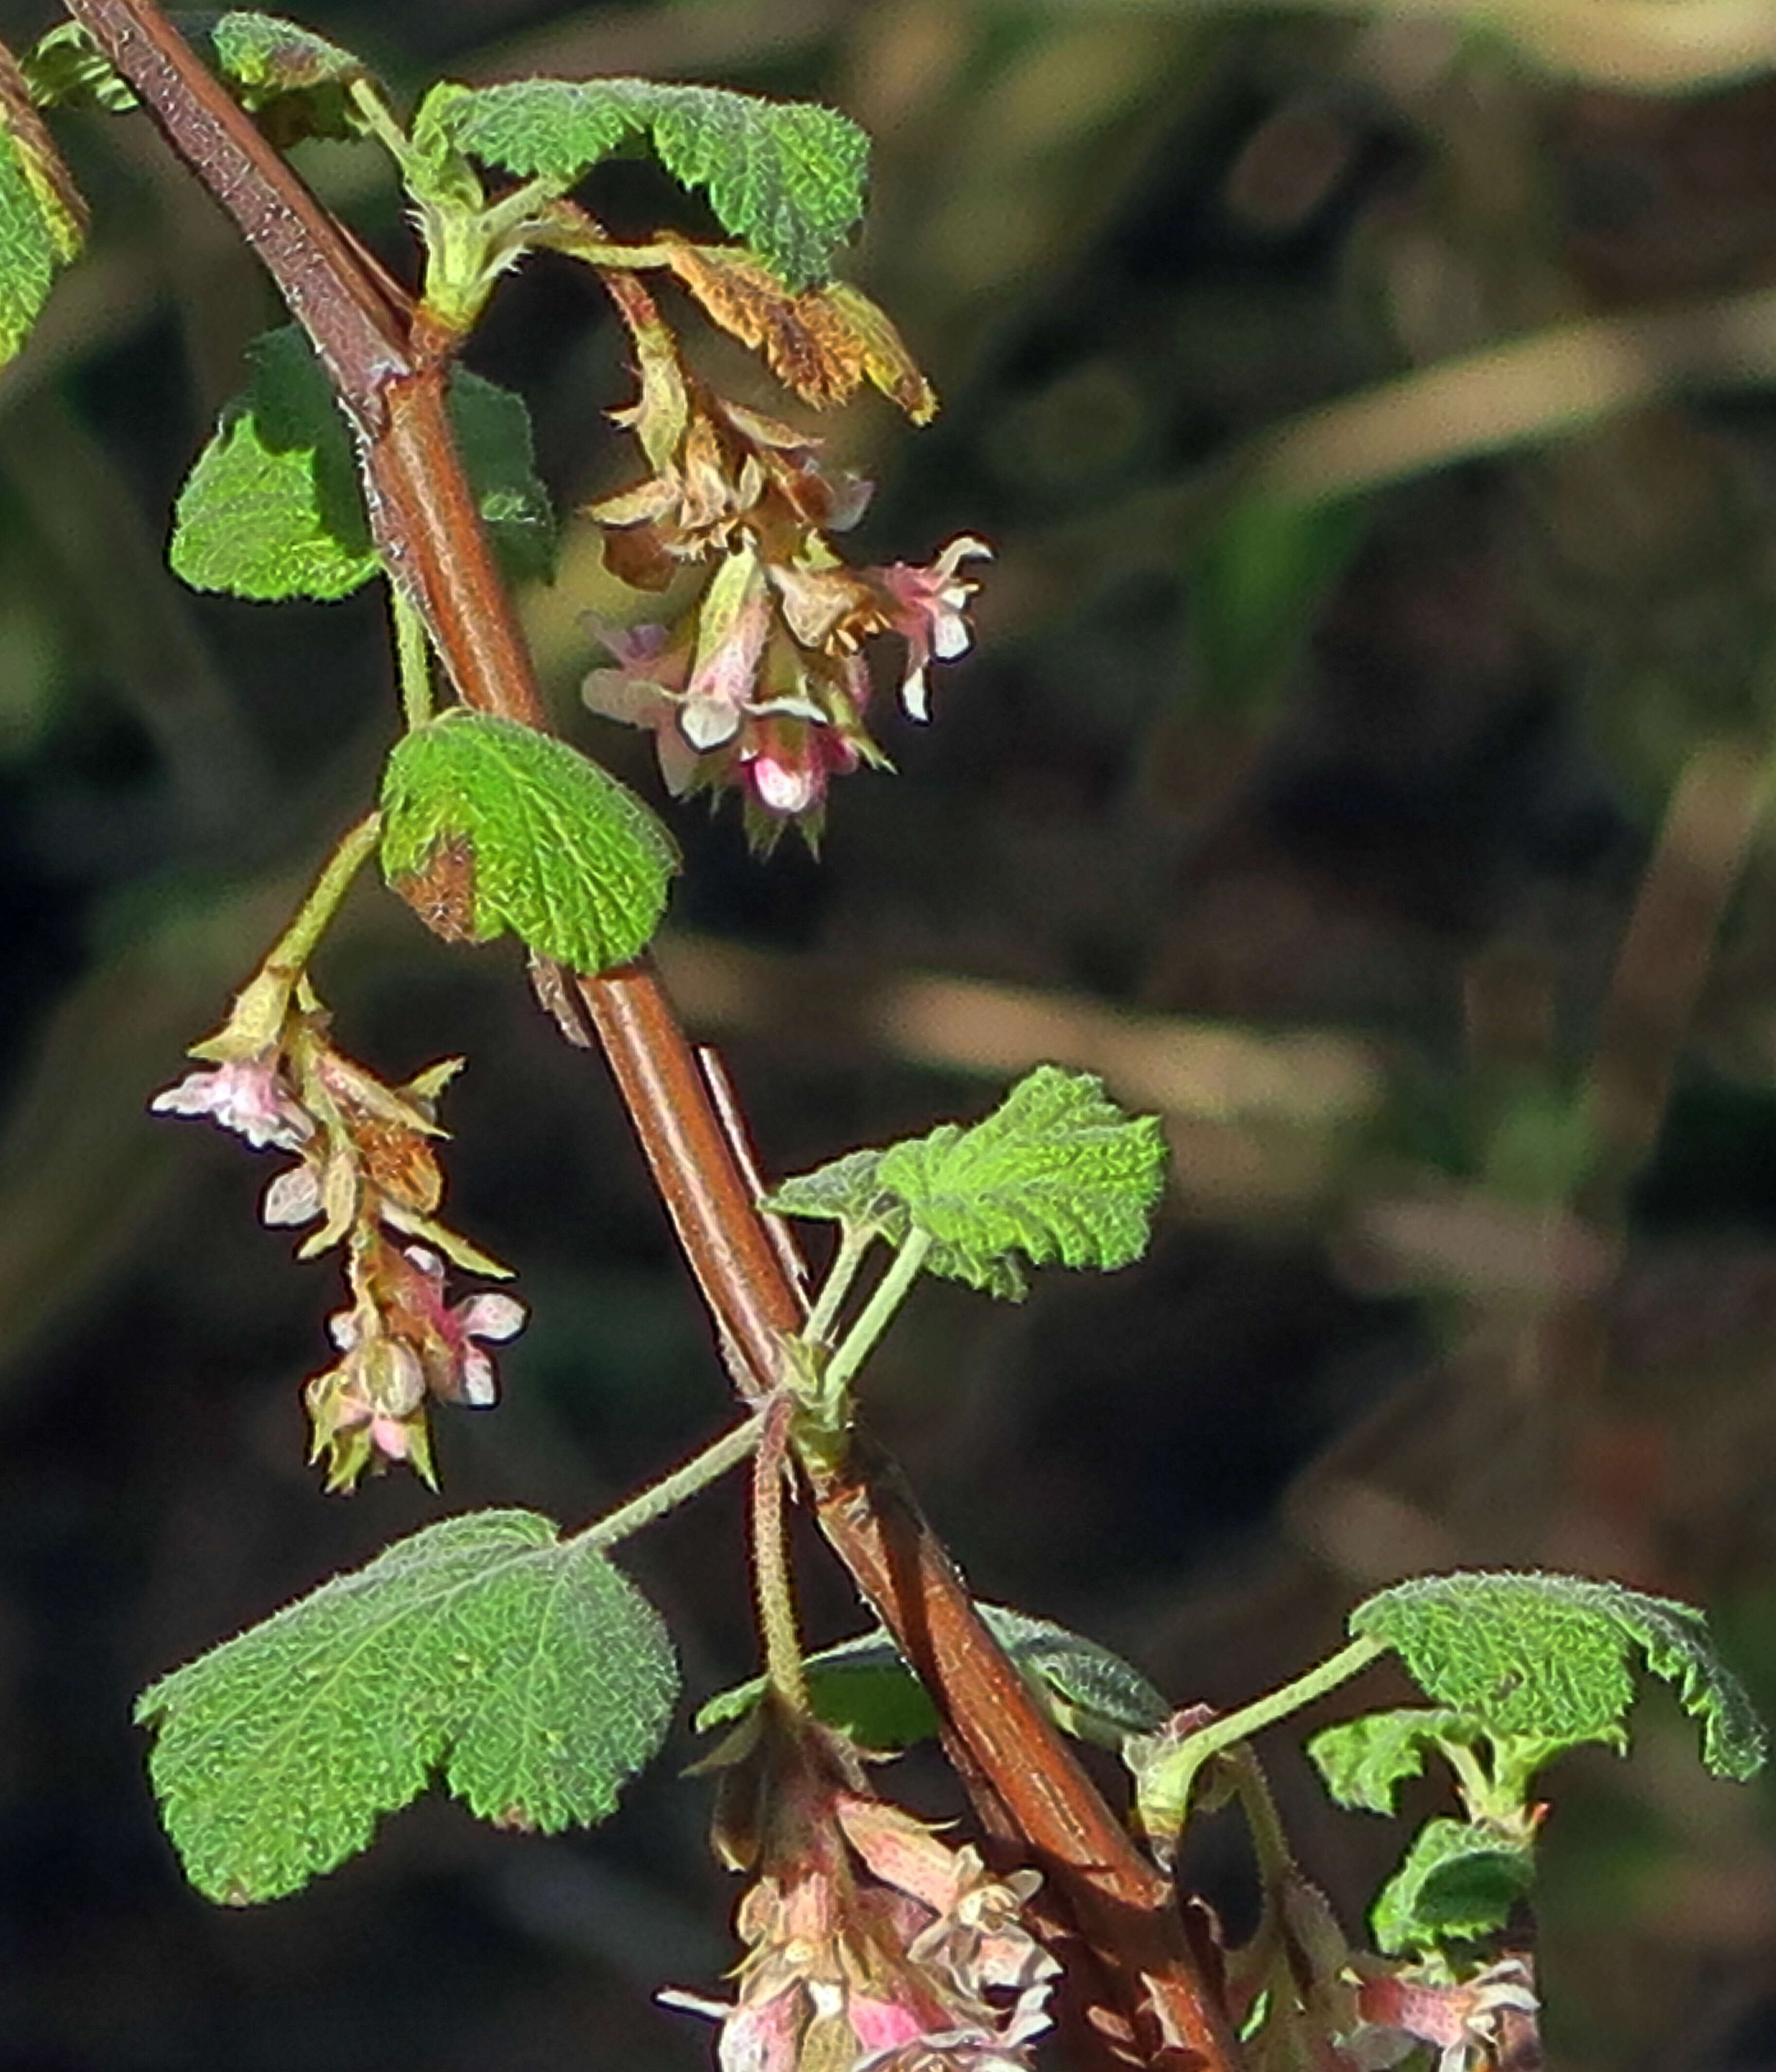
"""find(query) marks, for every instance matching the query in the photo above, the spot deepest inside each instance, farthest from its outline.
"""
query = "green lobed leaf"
(787, 177)
(489, 826)
(42, 218)
(1549, 1657)
(863, 1686)
(1456, 1883)
(1055, 1172)
(1365, 1761)
(525, 1668)
(272, 508)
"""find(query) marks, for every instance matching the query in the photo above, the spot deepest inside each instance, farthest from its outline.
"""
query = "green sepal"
(525, 1669)
(489, 826)
(1456, 1884)
(787, 177)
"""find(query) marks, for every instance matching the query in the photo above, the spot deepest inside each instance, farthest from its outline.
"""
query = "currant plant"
(496, 1653)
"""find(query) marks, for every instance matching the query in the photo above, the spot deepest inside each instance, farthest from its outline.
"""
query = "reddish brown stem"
(1025, 1777)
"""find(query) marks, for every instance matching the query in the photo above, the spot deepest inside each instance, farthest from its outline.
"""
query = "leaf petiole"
(1165, 1770)
(854, 1242)
(413, 660)
(683, 1482)
(877, 1314)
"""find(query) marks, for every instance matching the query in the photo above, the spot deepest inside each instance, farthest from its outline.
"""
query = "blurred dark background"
(1362, 764)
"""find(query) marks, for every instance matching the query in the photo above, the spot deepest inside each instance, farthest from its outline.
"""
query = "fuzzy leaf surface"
(489, 826)
(526, 1669)
(42, 218)
(1056, 1172)
(1455, 1884)
(849, 1190)
(787, 177)
(1364, 1761)
(272, 508)
(1550, 1657)
(865, 1686)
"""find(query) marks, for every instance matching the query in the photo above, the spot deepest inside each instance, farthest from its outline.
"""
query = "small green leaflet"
(272, 508)
(1056, 1172)
(525, 1668)
(787, 177)
(865, 1687)
(43, 219)
(1456, 1883)
(845, 1191)
(489, 826)
(65, 68)
(1549, 1658)
(1365, 1761)
(294, 81)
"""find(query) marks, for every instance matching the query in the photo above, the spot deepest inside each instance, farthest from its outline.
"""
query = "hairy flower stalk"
(761, 685)
(871, 1945)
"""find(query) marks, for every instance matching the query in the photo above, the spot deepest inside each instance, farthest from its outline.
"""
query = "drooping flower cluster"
(1400, 2009)
(366, 1172)
(871, 1945)
(761, 685)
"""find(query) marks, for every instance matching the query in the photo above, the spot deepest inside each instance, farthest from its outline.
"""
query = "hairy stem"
(287, 957)
(1167, 1777)
(673, 1490)
(772, 1582)
(413, 658)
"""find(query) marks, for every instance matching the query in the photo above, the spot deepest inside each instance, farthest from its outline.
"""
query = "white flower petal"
(293, 1197)
(479, 1384)
(492, 1315)
(951, 635)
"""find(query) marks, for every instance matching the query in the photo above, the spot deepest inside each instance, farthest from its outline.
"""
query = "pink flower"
(870, 1942)
(927, 607)
(245, 1095)
(408, 1293)
(1400, 2011)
